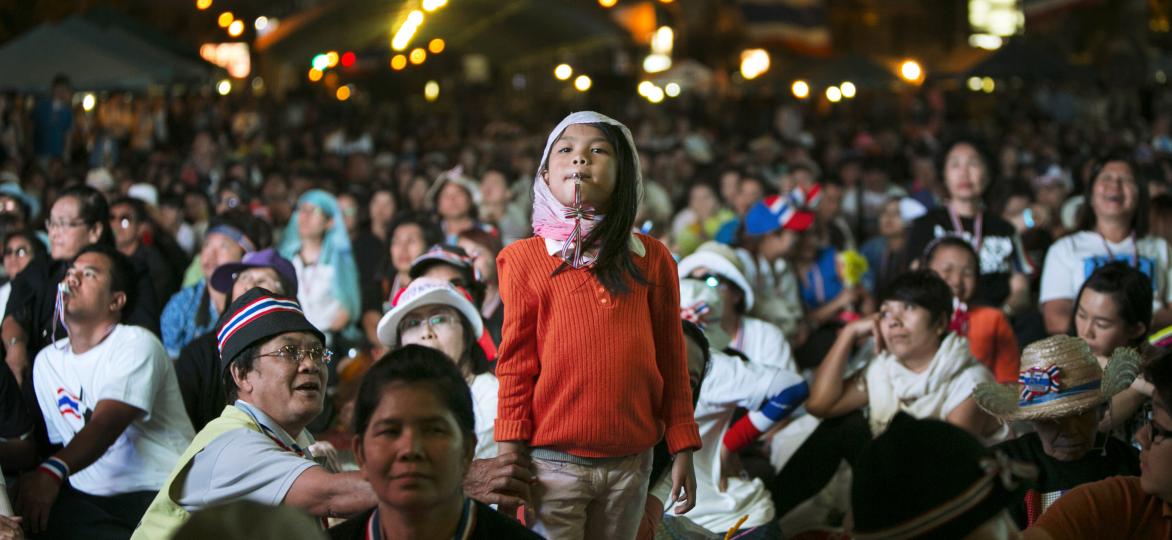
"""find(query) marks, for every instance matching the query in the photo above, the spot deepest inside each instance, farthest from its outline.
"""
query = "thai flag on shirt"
(69, 404)
(800, 25)
(245, 315)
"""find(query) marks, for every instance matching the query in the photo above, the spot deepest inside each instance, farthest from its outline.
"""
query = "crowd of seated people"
(679, 322)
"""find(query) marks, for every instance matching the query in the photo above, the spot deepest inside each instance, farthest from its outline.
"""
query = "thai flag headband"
(249, 313)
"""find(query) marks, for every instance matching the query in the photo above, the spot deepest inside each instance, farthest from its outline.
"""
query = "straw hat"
(1059, 377)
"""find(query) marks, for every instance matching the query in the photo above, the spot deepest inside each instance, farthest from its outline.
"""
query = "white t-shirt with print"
(1073, 258)
(129, 366)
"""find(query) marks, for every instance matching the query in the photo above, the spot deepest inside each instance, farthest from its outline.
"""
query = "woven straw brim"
(994, 399)
(1077, 366)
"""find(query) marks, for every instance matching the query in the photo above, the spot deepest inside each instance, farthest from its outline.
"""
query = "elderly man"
(108, 394)
(1063, 388)
(274, 371)
(1125, 506)
(201, 377)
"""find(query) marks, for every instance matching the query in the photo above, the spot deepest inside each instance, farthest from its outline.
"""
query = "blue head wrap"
(335, 249)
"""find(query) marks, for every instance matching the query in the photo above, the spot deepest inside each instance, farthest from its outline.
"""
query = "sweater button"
(603, 300)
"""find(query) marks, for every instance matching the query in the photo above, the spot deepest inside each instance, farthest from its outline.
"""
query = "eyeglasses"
(1156, 433)
(19, 252)
(414, 326)
(294, 354)
(248, 280)
(64, 224)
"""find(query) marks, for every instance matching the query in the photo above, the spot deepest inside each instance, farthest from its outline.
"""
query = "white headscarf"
(551, 219)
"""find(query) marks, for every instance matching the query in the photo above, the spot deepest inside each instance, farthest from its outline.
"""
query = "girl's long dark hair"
(611, 235)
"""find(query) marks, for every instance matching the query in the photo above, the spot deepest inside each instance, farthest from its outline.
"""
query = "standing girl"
(592, 366)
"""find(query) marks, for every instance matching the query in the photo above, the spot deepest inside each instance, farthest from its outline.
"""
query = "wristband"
(55, 467)
(740, 435)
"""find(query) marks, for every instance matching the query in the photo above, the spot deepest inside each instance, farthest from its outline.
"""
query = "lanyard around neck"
(978, 226)
(1134, 249)
(287, 443)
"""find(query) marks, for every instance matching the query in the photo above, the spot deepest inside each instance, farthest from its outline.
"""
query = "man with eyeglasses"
(129, 223)
(110, 401)
(274, 365)
(201, 377)
(1125, 506)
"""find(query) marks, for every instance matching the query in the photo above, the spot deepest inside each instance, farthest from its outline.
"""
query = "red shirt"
(1113, 508)
(585, 372)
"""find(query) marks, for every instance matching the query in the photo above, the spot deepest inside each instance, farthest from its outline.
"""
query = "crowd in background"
(838, 270)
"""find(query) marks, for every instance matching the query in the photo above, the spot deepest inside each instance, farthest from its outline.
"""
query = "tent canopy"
(1025, 59)
(93, 56)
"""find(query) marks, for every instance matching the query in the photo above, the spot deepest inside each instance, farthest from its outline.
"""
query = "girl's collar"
(554, 248)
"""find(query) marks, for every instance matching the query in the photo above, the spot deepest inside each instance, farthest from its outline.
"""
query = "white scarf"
(891, 387)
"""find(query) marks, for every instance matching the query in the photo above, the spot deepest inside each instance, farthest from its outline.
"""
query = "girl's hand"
(512, 447)
(683, 483)
(520, 451)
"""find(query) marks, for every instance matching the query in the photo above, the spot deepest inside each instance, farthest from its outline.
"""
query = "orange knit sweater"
(585, 372)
